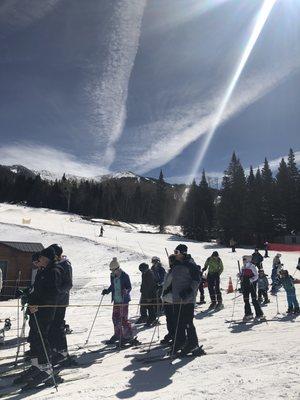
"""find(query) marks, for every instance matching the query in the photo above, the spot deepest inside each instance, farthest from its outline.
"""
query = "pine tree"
(161, 200)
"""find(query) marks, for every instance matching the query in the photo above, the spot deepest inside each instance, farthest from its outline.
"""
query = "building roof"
(25, 247)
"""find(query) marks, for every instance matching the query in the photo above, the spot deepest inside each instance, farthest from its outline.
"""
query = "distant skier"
(257, 258)
(232, 244)
(201, 286)
(263, 287)
(120, 288)
(148, 295)
(58, 341)
(101, 231)
(215, 268)
(266, 246)
(249, 277)
(287, 282)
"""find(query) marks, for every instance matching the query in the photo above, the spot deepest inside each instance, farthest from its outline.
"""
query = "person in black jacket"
(58, 341)
(148, 294)
(257, 259)
(46, 291)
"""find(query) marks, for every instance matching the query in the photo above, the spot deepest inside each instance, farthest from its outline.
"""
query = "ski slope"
(262, 361)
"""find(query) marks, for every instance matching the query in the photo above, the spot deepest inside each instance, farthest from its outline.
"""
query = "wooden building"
(16, 266)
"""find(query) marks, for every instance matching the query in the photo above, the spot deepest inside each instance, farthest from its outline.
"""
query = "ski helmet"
(155, 259)
(57, 249)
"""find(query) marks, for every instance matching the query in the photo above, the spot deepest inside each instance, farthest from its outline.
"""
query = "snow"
(262, 361)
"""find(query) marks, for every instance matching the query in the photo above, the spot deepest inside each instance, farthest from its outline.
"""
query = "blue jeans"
(292, 299)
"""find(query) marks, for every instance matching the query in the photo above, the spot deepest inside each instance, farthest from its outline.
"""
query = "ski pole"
(20, 339)
(176, 331)
(93, 323)
(277, 304)
(45, 351)
(234, 301)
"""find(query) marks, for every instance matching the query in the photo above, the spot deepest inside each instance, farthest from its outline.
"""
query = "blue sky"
(108, 85)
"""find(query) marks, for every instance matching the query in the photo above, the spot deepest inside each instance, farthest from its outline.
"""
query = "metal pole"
(176, 331)
(45, 351)
(93, 323)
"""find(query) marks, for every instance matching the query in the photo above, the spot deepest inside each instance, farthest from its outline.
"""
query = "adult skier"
(58, 341)
(215, 268)
(46, 291)
(287, 282)
(119, 288)
(159, 275)
(257, 258)
(249, 277)
(185, 283)
(276, 268)
(148, 295)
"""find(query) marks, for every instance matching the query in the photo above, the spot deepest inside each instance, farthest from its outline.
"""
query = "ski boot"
(212, 305)
(248, 317)
(259, 318)
(219, 306)
(296, 310)
(25, 375)
(290, 310)
(43, 376)
(166, 340)
(189, 348)
(112, 340)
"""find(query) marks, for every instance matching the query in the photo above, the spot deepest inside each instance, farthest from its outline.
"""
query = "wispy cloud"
(108, 92)
(38, 158)
(177, 134)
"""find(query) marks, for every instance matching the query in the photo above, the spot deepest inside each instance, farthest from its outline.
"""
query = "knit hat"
(114, 265)
(215, 254)
(35, 256)
(182, 248)
(48, 253)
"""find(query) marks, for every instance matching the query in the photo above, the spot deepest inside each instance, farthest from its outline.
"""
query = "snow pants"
(122, 327)
(292, 299)
(57, 335)
(250, 289)
(186, 332)
(148, 310)
(45, 317)
(170, 319)
(263, 294)
(201, 290)
(213, 282)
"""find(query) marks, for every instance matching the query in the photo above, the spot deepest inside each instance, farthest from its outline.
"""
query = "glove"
(104, 292)
(185, 292)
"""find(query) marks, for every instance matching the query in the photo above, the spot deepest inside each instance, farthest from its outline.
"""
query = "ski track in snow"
(262, 361)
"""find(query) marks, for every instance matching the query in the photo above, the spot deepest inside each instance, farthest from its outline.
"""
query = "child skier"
(249, 276)
(263, 287)
(119, 288)
(277, 266)
(287, 282)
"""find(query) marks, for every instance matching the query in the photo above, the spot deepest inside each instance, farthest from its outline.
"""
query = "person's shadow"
(150, 377)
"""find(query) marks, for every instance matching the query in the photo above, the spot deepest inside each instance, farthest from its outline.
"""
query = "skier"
(263, 286)
(257, 258)
(57, 334)
(167, 300)
(215, 268)
(119, 288)
(148, 295)
(266, 245)
(201, 286)
(101, 231)
(232, 244)
(276, 267)
(287, 282)
(185, 283)
(46, 291)
(249, 276)
(159, 275)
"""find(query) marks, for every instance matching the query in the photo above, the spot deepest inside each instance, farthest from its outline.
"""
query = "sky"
(93, 87)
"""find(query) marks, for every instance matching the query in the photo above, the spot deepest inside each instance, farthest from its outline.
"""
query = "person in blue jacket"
(287, 282)
(119, 288)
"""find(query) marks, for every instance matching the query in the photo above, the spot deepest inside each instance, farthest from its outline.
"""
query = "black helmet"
(57, 249)
(143, 267)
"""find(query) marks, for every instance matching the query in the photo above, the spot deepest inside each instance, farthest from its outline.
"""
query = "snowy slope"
(262, 360)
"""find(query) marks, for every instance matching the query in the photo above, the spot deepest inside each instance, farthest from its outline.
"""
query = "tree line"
(251, 207)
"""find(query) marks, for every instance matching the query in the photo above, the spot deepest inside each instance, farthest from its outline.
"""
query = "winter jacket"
(67, 281)
(249, 272)
(148, 286)
(185, 280)
(159, 273)
(47, 285)
(214, 265)
(167, 296)
(125, 287)
(263, 283)
(276, 263)
(286, 282)
(257, 259)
